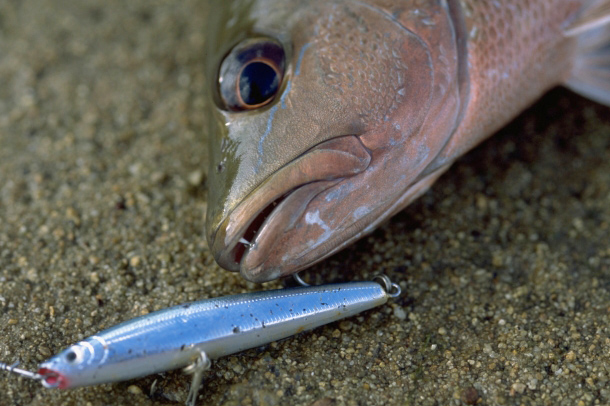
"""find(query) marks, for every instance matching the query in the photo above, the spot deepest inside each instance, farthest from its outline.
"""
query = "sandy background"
(504, 265)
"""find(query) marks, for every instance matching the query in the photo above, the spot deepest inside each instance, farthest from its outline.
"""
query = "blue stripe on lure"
(190, 335)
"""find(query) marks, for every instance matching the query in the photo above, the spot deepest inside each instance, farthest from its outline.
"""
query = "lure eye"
(251, 74)
(73, 355)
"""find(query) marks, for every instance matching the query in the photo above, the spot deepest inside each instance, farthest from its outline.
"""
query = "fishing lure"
(190, 335)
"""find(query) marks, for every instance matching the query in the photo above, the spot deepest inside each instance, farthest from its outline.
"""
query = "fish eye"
(251, 74)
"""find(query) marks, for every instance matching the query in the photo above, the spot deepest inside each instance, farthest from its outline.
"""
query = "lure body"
(377, 99)
(176, 337)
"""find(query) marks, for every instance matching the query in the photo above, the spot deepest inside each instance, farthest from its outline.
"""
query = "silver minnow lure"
(191, 335)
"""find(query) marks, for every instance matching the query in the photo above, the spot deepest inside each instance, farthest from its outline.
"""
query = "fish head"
(324, 118)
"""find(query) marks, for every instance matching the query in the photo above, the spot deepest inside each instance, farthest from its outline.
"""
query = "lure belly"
(191, 335)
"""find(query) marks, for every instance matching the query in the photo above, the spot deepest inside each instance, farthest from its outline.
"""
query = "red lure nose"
(53, 379)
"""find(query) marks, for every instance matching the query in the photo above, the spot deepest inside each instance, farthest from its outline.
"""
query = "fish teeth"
(245, 242)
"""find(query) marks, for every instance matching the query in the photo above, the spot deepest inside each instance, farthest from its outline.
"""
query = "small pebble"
(399, 313)
(135, 261)
(470, 396)
(44, 351)
(518, 387)
(195, 178)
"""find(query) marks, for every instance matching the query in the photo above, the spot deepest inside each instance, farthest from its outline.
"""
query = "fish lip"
(282, 218)
(349, 157)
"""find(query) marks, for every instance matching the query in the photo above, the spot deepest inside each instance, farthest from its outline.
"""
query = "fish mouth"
(247, 236)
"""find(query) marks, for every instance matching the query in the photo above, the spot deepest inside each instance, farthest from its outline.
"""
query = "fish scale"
(517, 51)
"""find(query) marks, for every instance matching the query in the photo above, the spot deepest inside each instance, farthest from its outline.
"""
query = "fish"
(327, 117)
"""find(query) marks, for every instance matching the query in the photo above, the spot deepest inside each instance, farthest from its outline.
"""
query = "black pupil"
(258, 83)
(71, 356)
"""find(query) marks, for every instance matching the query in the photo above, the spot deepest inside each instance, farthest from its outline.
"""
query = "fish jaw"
(245, 238)
(322, 232)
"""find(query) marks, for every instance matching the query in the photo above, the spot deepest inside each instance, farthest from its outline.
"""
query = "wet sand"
(504, 265)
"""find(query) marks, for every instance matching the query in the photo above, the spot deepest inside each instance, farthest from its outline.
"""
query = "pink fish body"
(331, 116)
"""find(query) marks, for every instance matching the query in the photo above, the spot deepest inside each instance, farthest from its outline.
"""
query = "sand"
(504, 265)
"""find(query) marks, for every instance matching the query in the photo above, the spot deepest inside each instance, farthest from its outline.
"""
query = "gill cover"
(342, 132)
